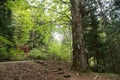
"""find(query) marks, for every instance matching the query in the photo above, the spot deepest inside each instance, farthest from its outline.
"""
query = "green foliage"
(28, 24)
(66, 52)
(17, 55)
(5, 41)
(102, 36)
(5, 21)
(11, 55)
(54, 48)
(53, 52)
(22, 22)
(37, 54)
(59, 52)
(3, 54)
(33, 22)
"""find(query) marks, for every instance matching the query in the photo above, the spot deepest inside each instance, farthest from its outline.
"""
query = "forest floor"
(45, 70)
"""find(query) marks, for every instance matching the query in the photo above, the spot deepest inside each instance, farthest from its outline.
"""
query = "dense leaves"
(45, 26)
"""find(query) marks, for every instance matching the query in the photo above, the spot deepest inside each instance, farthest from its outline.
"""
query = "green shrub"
(3, 54)
(17, 55)
(37, 54)
(54, 51)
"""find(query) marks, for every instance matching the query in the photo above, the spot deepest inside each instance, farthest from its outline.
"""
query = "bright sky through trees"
(57, 36)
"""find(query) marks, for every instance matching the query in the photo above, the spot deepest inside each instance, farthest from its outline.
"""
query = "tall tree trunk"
(80, 62)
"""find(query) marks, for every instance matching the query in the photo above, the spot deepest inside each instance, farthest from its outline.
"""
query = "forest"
(85, 33)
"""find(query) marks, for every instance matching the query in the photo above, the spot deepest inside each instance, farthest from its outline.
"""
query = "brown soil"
(44, 70)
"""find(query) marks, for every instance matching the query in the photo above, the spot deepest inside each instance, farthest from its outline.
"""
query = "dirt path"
(43, 70)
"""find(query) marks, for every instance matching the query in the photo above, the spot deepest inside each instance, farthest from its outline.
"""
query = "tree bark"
(80, 62)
